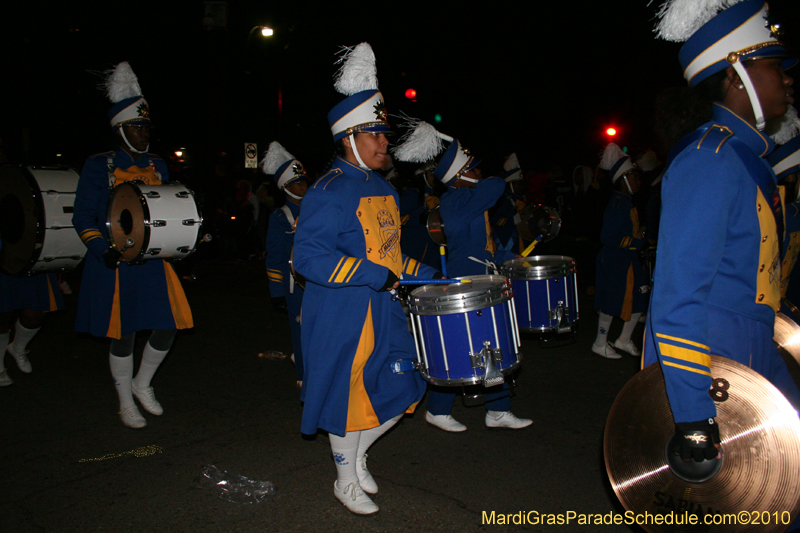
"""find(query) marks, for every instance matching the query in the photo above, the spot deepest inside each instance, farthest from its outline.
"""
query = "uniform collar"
(757, 141)
(342, 162)
(124, 157)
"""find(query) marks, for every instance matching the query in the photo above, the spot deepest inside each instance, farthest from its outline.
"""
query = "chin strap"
(751, 92)
(287, 193)
(355, 151)
(628, 185)
(469, 180)
(122, 131)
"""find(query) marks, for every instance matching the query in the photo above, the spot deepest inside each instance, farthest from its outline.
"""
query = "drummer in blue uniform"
(504, 216)
(717, 282)
(286, 293)
(619, 278)
(464, 209)
(360, 375)
(116, 299)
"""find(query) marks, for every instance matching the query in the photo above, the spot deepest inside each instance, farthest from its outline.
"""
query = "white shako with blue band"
(283, 166)
(363, 110)
(617, 163)
(786, 159)
(716, 38)
(422, 143)
(130, 107)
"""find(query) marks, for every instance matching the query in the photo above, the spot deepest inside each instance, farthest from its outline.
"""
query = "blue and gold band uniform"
(280, 238)
(619, 273)
(717, 283)
(504, 222)
(347, 240)
(414, 212)
(114, 303)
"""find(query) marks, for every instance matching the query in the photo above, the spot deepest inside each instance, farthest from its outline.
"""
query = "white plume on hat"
(648, 161)
(421, 143)
(358, 71)
(276, 156)
(511, 162)
(680, 19)
(787, 127)
(611, 155)
(121, 83)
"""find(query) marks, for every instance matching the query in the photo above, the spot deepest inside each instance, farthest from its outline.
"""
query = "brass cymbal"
(787, 339)
(536, 220)
(758, 481)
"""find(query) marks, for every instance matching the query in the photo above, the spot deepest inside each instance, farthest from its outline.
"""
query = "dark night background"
(539, 78)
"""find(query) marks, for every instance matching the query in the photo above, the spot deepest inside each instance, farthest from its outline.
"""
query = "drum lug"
(189, 222)
(486, 359)
(154, 251)
(182, 194)
(152, 194)
(158, 223)
(560, 314)
(184, 249)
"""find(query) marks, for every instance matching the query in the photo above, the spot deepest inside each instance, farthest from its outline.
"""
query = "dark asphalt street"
(225, 406)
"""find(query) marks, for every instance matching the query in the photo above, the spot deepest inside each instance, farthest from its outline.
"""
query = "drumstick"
(531, 246)
(433, 281)
(444, 260)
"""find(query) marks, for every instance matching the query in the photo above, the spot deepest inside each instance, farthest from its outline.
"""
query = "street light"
(265, 31)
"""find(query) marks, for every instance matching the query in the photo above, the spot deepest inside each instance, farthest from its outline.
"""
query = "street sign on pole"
(250, 155)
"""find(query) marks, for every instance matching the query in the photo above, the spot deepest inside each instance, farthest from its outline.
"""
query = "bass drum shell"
(153, 221)
(36, 207)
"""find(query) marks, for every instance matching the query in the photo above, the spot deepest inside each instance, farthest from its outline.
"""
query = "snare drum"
(465, 334)
(547, 292)
(153, 222)
(36, 228)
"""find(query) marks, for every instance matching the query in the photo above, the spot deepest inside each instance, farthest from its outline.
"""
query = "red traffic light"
(611, 132)
(411, 94)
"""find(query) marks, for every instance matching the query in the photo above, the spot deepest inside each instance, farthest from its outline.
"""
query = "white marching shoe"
(506, 419)
(21, 358)
(445, 422)
(628, 347)
(132, 418)
(148, 400)
(365, 479)
(5, 381)
(606, 351)
(355, 499)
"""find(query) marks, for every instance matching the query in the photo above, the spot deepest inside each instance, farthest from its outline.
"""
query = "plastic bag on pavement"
(235, 488)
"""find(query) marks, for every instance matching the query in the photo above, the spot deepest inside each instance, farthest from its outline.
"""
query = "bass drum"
(36, 205)
(153, 221)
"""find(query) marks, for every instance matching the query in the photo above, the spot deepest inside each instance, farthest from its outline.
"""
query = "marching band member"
(116, 299)
(717, 284)
(619, 274)
(28, 299)
(504, 214)
(287, 295)
(464, 213)
(359, 355)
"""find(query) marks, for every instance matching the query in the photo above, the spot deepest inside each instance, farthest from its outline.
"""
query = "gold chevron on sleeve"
(345, 269)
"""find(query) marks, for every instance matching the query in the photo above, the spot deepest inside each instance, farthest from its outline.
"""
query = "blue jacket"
(463, 214)
(719, 264)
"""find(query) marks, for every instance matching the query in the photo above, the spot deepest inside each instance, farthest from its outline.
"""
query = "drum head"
(436, 227)
(127, 213)
(482, 292)
(539, 267)
(536, 220)
(21, 219)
